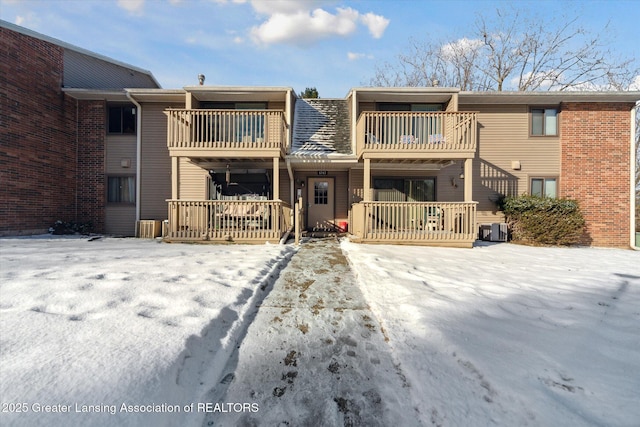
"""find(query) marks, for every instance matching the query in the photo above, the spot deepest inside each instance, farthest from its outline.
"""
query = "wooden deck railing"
(225, 129)
(405, 132)
(251, 221)
(438, 223)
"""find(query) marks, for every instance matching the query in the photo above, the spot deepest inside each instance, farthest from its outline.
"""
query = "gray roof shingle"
(321, 128)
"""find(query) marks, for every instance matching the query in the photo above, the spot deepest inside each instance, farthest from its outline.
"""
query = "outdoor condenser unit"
(496, 232)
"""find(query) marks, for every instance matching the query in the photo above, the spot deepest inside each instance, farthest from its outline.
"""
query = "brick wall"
(37, 136)
(91, 151)
(595, 168)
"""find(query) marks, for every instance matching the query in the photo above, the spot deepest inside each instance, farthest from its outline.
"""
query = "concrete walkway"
(314, 355)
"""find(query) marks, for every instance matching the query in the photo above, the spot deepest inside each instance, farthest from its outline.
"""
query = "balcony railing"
(437, 133)
(225, 129)
(252, 221)
(421, 223)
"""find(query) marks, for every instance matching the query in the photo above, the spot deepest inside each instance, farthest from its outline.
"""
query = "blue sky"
(330, 45)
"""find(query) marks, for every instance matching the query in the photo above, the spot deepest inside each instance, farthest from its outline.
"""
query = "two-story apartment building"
(396, 165)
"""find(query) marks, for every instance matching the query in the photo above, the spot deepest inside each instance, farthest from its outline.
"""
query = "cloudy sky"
(330, 45)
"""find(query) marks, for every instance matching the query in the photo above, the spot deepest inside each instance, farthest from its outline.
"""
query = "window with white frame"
(544, 187)
(544, 121)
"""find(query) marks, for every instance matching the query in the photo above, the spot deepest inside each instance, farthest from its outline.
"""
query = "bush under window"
(544, 221)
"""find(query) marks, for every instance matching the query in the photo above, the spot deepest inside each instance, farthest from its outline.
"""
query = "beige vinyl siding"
(193, 181)
(119, 148)
(342, 195)
(503, 138)
(155, 172)
(356, 186)
(284, 188)
(120, 219)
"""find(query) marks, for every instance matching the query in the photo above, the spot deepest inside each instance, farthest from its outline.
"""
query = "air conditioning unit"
(496, 232)
(148, 229)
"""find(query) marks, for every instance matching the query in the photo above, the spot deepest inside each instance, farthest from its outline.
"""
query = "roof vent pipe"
(201, 79)
(435, 82)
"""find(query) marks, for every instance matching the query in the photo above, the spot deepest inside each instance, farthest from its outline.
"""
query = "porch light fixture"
(201, 79)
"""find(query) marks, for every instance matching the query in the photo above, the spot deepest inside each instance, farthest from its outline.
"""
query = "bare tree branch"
(514, 50)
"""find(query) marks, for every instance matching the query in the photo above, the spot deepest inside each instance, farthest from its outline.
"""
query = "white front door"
(320, 212)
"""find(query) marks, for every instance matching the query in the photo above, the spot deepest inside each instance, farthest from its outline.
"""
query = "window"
(544, 187)
(122, 119)
(405, 190)
(121, 189)
(544, 121)
(321, 193)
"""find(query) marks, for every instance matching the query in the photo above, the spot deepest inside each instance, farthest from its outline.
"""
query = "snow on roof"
(321, 127)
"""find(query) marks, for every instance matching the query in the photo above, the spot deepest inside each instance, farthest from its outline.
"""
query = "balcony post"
(367, 180)
(276, 178)
(468, 180)
(174, 178)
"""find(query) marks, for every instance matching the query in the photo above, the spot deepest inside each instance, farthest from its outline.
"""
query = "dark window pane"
(537, 122)
(115, 120)
(537, 187)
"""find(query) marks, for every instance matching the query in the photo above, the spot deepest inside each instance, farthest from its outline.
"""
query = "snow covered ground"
(499, 334)
(511, 335)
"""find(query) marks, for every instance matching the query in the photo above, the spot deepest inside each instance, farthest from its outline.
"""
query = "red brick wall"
(37, 136)
(91, 151)
(595, 168)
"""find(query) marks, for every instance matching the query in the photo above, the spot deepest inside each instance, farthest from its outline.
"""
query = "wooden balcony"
(415, 223)
(242, 133)
(217, 221)
(421, 135)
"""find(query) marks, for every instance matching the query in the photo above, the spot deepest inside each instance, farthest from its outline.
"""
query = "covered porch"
(424, 213)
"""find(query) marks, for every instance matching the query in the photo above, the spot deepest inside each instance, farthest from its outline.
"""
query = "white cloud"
(305, 27)
(636, 84)
(377, 24)
(305, 22)
(354, 56)
(19, 20)
(132, 6)
(461, 47)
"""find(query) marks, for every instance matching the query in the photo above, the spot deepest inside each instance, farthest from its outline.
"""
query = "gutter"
(138, 151)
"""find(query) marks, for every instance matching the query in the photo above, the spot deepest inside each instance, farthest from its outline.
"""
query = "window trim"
(544, 108)
(121, 107)
(544, 178)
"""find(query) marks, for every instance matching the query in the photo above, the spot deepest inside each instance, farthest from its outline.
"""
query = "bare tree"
(514, 50)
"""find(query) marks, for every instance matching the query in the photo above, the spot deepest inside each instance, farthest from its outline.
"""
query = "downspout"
(634, 153)
(138, 151)
(292, 184)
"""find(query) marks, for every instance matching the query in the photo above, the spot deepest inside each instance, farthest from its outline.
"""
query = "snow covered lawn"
(510, 335)
(499, 334)
(94, 325)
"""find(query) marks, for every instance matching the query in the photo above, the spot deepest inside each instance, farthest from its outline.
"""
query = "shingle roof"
(321, 127)
(89, 70)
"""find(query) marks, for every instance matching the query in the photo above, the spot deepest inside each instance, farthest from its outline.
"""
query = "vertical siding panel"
(193, 181)
(155, 165)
